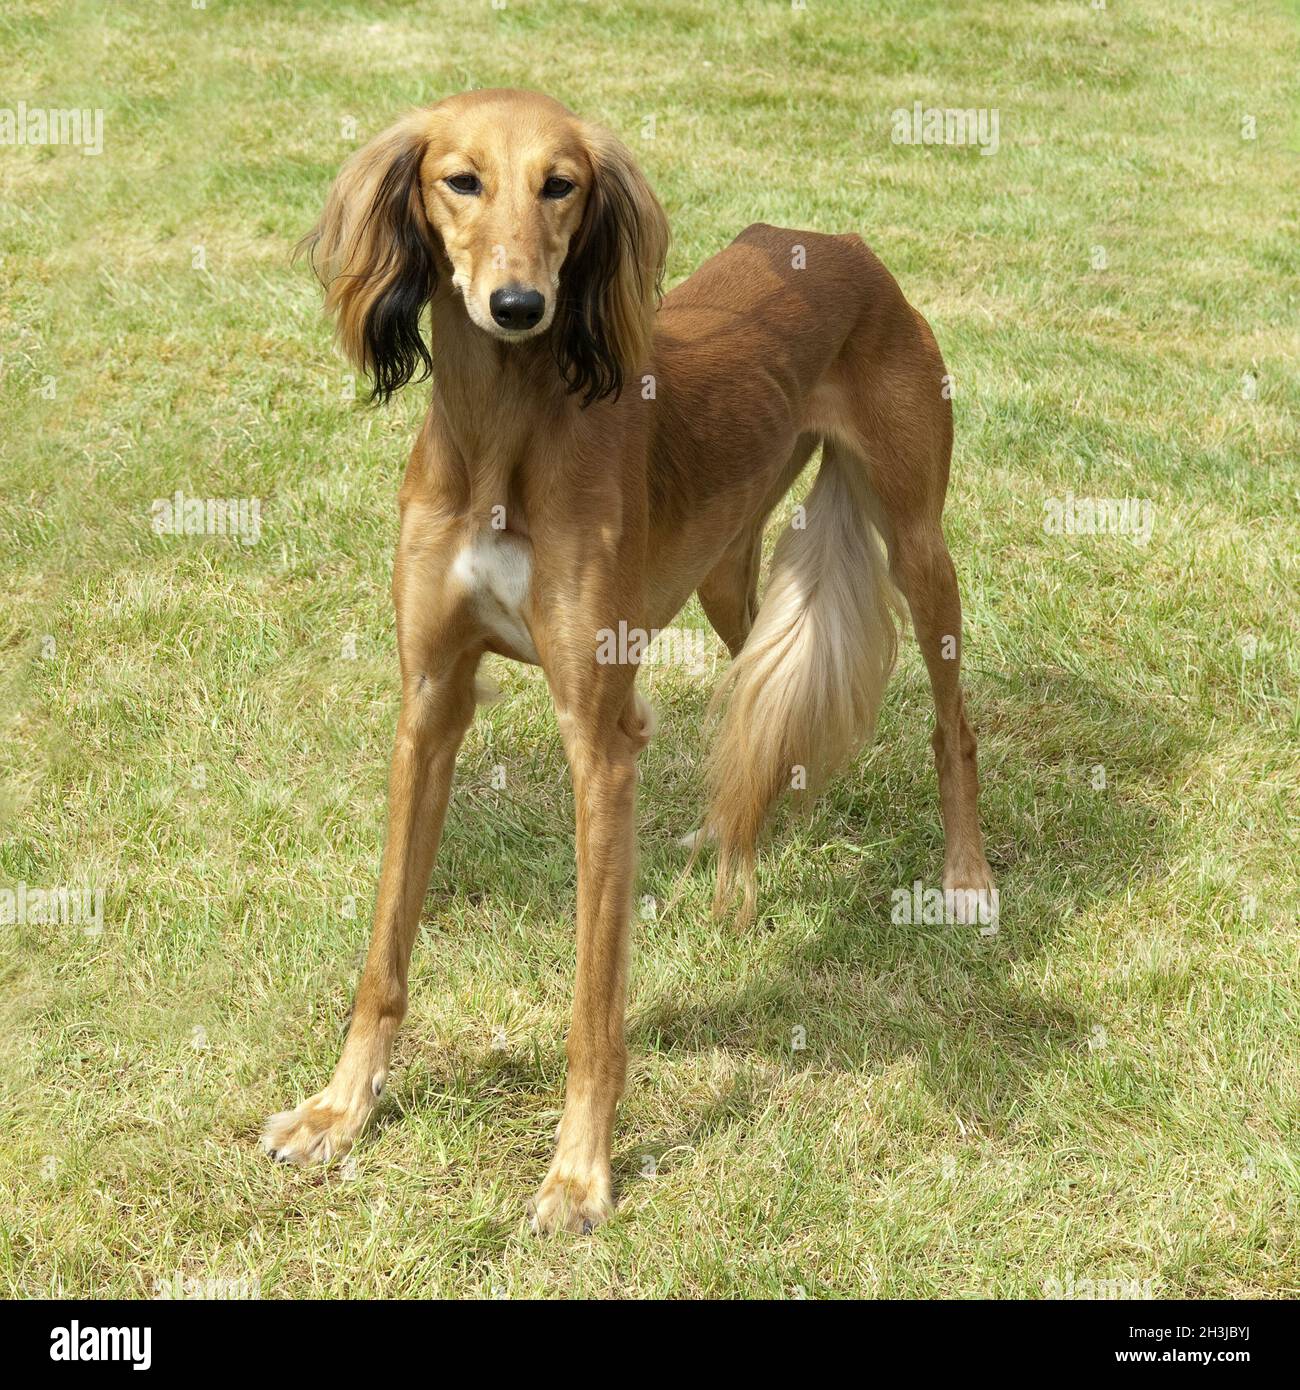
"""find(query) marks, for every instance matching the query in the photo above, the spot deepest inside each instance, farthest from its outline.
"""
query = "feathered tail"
(804, 692)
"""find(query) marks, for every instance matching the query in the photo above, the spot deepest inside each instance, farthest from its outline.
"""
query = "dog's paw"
(571, 1202)
(970, 895)
(697, 838)
(317, 1131)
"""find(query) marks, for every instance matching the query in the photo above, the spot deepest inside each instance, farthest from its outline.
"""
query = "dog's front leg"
(438, 665)
(603, 732)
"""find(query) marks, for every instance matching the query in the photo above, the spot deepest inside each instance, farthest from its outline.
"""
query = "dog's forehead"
(508, 127)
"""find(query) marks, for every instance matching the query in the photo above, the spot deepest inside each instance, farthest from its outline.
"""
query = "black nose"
(516, 308)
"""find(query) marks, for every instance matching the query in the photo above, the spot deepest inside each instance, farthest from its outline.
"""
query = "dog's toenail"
(587, 1227)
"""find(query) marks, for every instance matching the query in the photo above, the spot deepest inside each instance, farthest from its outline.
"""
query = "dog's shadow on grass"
(1069, 816)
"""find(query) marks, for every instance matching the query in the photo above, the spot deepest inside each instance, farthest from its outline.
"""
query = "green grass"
(1106, 1089)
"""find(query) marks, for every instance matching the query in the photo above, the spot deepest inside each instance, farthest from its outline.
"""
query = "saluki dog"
(591, 458)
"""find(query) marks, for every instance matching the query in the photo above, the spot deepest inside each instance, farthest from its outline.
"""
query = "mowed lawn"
(1106, 1089)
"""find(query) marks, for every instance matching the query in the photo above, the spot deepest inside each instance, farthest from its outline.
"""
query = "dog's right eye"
(464, 183)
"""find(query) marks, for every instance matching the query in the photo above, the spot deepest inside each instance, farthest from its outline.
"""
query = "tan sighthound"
(592, 457)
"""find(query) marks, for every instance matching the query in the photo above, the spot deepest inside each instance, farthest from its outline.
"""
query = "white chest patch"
(496, 571)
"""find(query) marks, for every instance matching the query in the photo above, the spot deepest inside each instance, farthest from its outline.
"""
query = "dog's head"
(545, 223)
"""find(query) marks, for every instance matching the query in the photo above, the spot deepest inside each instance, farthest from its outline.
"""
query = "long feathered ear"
(612, 277)
(373, 251)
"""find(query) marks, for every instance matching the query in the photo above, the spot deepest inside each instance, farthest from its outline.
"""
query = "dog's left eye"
(465, 183)
(556, 187)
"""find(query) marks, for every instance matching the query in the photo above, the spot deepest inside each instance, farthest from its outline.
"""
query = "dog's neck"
(499, 413)
(491, 393)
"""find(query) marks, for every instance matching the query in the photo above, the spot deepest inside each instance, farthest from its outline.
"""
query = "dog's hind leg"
(923, 570)
(906, 445)
(729, 594)
(729, 597)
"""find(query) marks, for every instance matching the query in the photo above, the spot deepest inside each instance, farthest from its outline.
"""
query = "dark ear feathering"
(373, 252)
(612, 277)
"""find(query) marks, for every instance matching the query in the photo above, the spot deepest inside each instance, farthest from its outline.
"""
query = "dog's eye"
(464, 183)
(556, 187)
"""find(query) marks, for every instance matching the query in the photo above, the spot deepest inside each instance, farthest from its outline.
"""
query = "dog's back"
(743, 344)
(776, 300)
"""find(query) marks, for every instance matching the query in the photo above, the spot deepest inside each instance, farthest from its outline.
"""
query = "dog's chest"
(495, 569)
